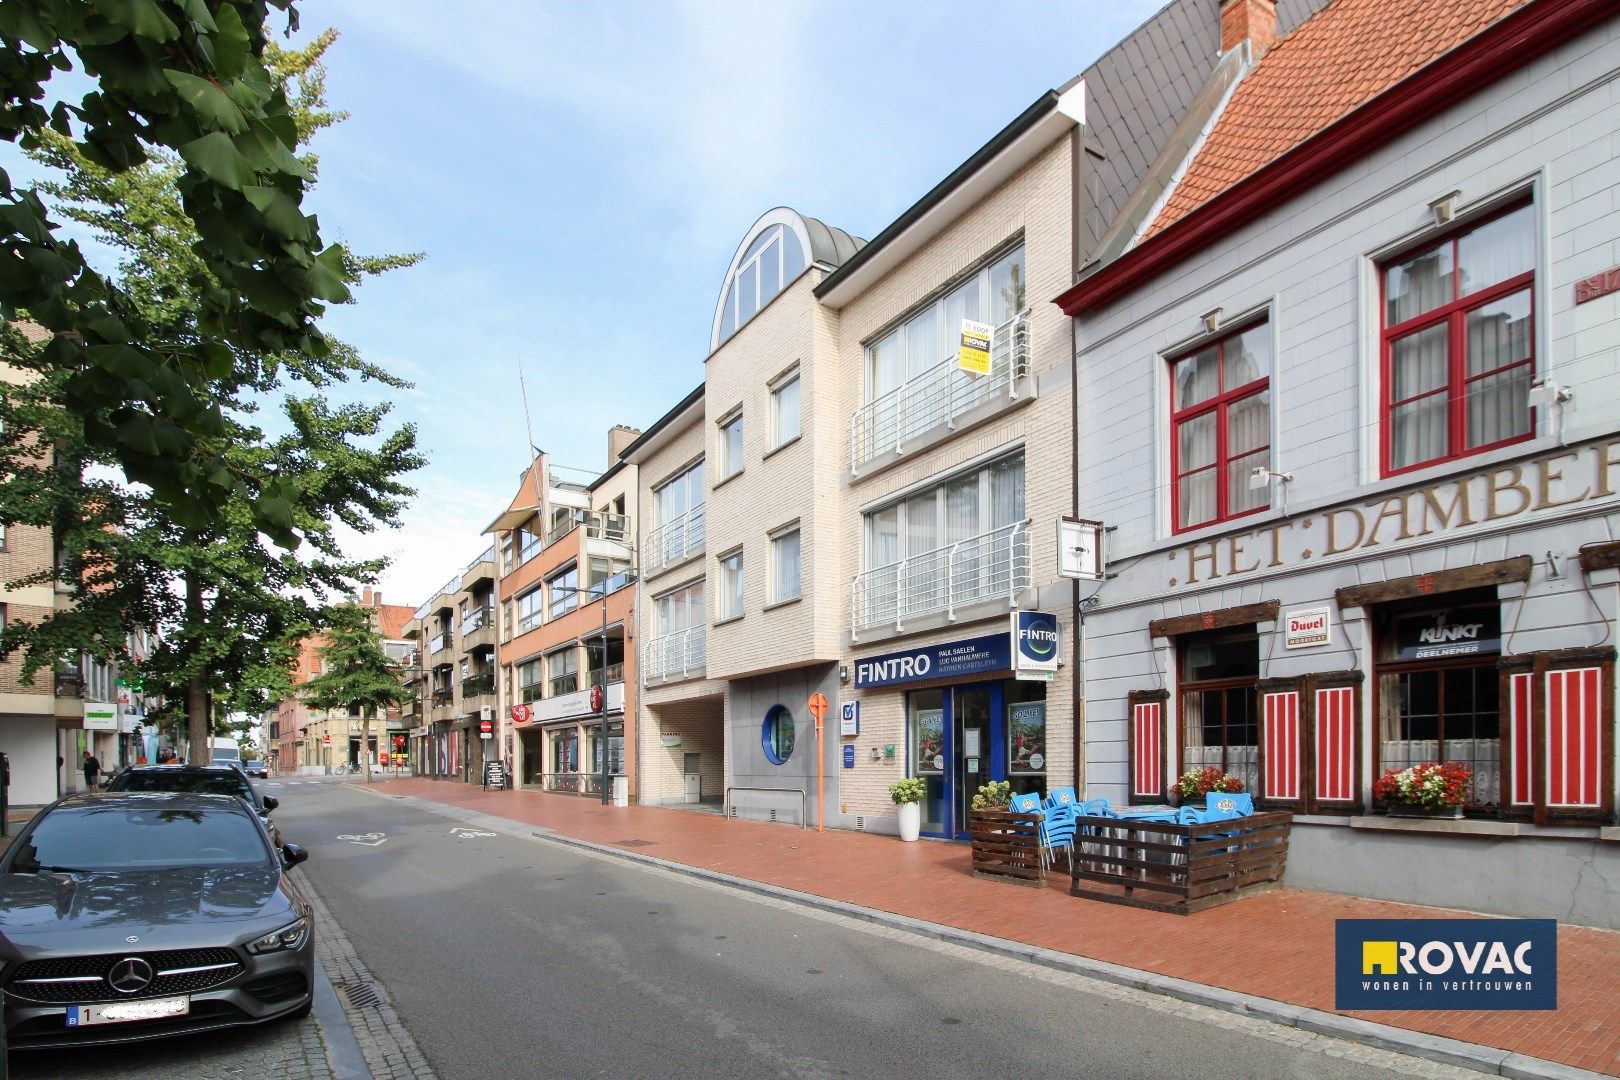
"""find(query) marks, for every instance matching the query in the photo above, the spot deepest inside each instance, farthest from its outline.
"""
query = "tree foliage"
(187, 77)
(228, 596)
(356, 673)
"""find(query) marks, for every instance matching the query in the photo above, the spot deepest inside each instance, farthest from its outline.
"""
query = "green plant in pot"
(996, 795)
(907, 794)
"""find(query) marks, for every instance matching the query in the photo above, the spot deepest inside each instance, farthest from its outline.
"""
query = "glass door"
(930, 758)
(975, 731)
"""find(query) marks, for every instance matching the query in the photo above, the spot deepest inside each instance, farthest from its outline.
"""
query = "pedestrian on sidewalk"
(92, 772)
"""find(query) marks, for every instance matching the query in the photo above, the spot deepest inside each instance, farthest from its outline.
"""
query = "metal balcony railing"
(991, 566)
(938, 396)
(615, 674)
(443, 696)
(475, 685)
(439, 642)
(674, 540)
(677, 655)
(559, 685)
(614, 527)
(476, 620)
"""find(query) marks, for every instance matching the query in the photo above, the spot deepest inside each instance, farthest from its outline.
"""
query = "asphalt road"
(509, 956)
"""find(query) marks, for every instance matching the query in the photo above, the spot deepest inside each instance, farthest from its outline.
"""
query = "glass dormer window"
(773, 260)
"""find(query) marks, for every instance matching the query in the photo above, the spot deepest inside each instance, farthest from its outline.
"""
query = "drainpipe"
(1078, 683)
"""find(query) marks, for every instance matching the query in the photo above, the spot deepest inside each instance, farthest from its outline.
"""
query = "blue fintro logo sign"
(1446, 964)
(1035, 643)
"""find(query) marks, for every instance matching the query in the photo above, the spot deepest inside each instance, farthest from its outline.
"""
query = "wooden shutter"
(1147, 745)
(1334, 740)
(1573, 739)
(1280, 745)
(1520, 787)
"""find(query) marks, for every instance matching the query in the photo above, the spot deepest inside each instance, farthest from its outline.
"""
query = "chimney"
(619, 437)
(376, 598)
(365, 597)
(1254, 21)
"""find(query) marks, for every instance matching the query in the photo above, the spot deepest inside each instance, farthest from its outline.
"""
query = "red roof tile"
(1344, 56)
(393, 618)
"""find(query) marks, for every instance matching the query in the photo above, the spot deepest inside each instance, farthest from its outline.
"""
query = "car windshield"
(111, 837)
(199, 783)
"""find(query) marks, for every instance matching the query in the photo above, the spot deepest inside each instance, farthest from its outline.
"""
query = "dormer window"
(774, 258)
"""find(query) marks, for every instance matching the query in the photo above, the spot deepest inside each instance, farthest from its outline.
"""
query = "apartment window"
(680, 610)
(958, 542)
(1220, 427)
(731, 585)
(677, 648)
(528, 610)
(521, 544)
(564, 590)
(506, 619)
(731, 446)
(562, 672)
(1220, 722)
(528, 677)
(785, 565)
(773, 259)
(996, 294)
(1458, 343)
(679, 506)
(785, 421)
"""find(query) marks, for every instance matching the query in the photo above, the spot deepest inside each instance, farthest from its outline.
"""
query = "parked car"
(142, 915)
(217, 779)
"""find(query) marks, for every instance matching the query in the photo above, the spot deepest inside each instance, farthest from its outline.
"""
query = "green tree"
(186, 77)
(228, 607)
(355, 671)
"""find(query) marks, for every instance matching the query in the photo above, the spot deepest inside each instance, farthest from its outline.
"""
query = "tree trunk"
(365, 744)
(199, 725)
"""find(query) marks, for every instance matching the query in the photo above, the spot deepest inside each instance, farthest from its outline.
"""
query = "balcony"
(939, 397)
(439, 642)
(673, 541)
(676, 656)
(559, 685)
(478, 629)
(477, 686)
(480, 571)
(991, 566)
(443, 703)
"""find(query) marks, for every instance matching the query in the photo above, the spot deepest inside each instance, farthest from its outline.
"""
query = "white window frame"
(789, 378)
(778, 594)
(728, 466)
(729, 598)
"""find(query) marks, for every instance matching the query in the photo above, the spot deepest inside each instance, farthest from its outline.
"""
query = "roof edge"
(627, 454)
(958, 176)
(1487, 57)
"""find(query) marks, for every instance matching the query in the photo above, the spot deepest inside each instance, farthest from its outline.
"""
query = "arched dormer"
(779, 247)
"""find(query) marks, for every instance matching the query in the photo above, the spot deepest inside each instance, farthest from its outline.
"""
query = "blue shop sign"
(974, 656)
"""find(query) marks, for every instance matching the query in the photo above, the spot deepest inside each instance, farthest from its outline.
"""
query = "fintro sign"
(1035, 645)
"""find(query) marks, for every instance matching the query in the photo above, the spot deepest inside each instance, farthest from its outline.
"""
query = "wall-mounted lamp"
(1544, 392)
(843, 673)
(1261, 477)
(1445, 207)
(1212, 319)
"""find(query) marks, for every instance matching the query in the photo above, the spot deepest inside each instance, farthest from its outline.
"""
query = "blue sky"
(579, 174)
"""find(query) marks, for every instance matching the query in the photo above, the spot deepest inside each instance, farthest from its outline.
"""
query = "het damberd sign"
(1523, 489)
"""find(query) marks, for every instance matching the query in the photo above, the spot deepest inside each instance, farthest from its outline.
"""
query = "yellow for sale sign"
(974, 355)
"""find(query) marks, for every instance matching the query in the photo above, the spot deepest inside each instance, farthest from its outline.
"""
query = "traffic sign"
(486, 730)
(818, 707)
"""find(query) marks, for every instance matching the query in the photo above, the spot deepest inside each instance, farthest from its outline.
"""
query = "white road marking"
(370, 839)
(464, 833)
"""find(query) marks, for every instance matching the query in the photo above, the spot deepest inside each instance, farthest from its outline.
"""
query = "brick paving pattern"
(1277, 946)
(389, 1050)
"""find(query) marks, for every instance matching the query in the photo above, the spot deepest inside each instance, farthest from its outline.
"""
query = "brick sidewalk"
(1278, 945)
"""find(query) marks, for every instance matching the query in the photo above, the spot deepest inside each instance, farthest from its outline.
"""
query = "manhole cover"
(635, 843)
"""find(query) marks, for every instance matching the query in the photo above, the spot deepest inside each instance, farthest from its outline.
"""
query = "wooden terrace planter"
(1007, 847)
(1179, 868)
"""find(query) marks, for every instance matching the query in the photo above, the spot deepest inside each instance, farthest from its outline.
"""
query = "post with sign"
(818, 709)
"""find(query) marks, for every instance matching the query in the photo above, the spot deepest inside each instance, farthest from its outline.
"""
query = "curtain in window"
(1248, 444)
(786, 585)
(1498, 403)
(1496, 251)
(885, 362)
(1419, 377)
(1421, 283)
(1195, 450)
(1006, 493)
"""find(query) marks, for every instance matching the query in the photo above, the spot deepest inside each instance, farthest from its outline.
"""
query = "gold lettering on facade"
(1495, 488)
(1441, 514)
(1198, 553)
(1392, 508)
(1546, 476)
(1235, 551)
(1608, 459)
(1276, 532)
(1352, 517)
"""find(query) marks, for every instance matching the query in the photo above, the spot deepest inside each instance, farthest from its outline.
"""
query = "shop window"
(1220, 725)
(1438, 689)
(1026, 737)
(776, 733)
(1458, 343)
(926, 724)
(1220, 428)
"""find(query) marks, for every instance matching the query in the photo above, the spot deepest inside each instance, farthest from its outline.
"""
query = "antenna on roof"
(528, 427)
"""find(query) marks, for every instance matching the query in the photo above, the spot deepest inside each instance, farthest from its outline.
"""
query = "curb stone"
(1476, 1057)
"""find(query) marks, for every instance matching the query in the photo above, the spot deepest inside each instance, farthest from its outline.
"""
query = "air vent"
(773, 815)
(860, 824)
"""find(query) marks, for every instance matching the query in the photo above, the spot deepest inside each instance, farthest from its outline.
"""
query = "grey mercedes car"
(134, 916)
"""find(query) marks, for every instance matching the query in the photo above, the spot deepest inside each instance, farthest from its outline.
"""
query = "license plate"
(122, 1012)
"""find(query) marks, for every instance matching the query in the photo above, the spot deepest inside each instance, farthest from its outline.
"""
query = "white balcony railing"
(991, 566)
(939, 395)
(674, 540)
(676, 656)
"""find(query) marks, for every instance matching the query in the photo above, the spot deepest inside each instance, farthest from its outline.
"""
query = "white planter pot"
(910, 820)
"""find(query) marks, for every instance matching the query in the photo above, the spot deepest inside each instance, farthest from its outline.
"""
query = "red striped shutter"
(1573, 743)
(1147, 755)
(1281, 742)
(1520, 740)
(1335, 743)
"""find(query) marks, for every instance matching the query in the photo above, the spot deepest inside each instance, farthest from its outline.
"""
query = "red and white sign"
(485, 729)
(521, 714)
(1597, 285)
(1307, 628)
(326, 740)
(596, 697)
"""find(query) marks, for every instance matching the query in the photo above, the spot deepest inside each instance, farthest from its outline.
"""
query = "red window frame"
(1220, 404)
(1455, 316)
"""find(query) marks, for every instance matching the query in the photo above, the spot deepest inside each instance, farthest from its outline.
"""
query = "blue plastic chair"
(1057, 831)
(1026, 804)
(1096, 808)
(1220, 805)
(1064, 796)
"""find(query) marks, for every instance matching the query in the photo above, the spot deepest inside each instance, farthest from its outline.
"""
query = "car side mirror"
(292, 855)
(270, 802)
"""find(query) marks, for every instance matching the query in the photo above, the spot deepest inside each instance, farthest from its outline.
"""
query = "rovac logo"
(1037, 635)
(1446, 964)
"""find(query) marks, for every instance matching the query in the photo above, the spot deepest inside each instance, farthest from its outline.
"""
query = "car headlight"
(290, 936)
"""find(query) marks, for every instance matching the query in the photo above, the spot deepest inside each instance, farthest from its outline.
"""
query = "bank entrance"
(964, 736)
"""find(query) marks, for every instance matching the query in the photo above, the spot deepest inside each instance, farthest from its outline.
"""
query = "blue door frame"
(996, 735)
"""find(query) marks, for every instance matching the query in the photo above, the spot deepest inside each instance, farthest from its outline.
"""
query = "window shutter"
(1573, 740)
(1147, 745)
(1521, 741)
(1334, 731)
(1279, 743)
